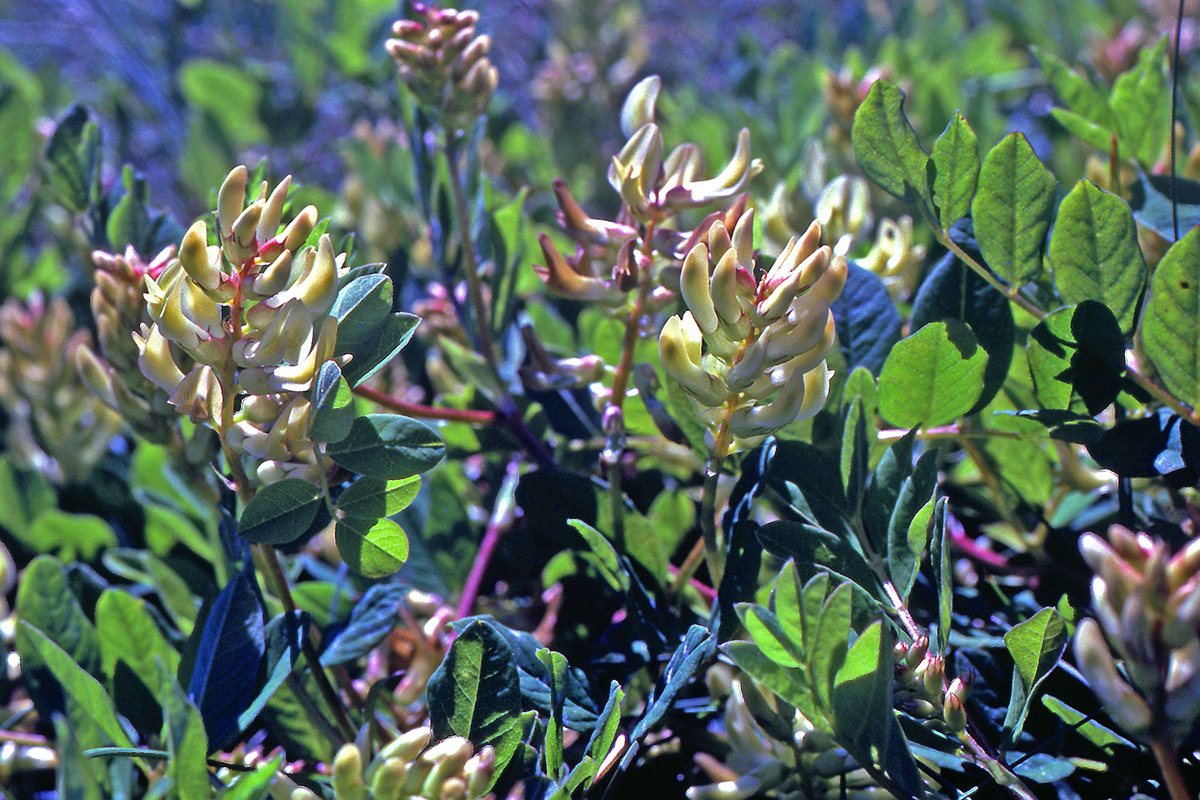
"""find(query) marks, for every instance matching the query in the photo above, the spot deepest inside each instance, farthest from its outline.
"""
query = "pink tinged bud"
(679, 350)
(1096, 663)
(726, 288)
(199, 396)
(193, 256)
(240, 246)
(639, 105)
(479, 771)
(407, 27)
(1183, 689)
(916, 652)
(1184, 565)
(563, 280)
(694, 286)
(272, 213)
(231, 198)
(155, 359)
(719, 242)
(297, 231)
(1097, 553)
(1181, 619)
(954, 713)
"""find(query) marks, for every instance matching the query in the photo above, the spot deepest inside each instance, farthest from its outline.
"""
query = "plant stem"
(714, 551)
(469, 416)
(501, 520)
(946, 432)
(269, 561)
(1167, 756)
(458, 199)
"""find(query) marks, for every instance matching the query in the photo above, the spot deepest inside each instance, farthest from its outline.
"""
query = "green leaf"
(1088, 132)
(73, 160)
(557, 670)
(372, 498)
(284, 636)
(1012, 210)
(933, 376)
(955, 164)
(24, 496)
(768, 633)
(1095, 254)
(187, 744)
(886, 146)
(862, 693)
(126, 630)
(280, 512)
(253, 785)
(231, 95)
(128, 222)
(71, 536)
(372, 549)
(606, 559)
(907, 526)
(77, 776)
(388, 446)
(829, 642)
(787, 684)
(1171, 322)
(389, 339)
(1076, 91)
(1141, 104)
(814, 549)
(1036, 645)
(45, 601)
(607, 724)
(1089, 729)
(89, 708)
(883, 490)
(475, 692)
(944, 572)
(332, 412)
(856, 453)
(786, 591)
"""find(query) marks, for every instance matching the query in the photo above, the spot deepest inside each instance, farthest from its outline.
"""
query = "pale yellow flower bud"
(638, 109)
(231, 198)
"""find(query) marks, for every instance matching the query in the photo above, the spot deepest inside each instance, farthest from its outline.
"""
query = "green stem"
(458, 199)
(714, 546)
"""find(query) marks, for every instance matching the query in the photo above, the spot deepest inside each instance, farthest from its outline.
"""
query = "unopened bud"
(347, 774)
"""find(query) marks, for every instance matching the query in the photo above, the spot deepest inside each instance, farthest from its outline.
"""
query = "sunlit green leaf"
(885, 145)
(1036, 646)
(933, 376)
(372, 549)
(1171, 322)
(280, 512)
(956, 171)
(1012, 210)
(388, 446)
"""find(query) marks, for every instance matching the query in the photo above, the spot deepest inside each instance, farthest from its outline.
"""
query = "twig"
(501, 520)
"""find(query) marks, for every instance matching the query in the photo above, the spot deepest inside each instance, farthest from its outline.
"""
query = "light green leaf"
(1171, 322)
(1088, 132)
(607, 724)
(1095, 254)
(127, 631)
(1036, 645)
(89, 708)
(186, 742)
(253, 785)
(956, 171)
(1076, 91)
(785, 604)
(77, 777)
(788, 684)
(943, 569)
(372, 549)
(886, 146)
(24, 496)
(556, 668)
(46, 602)
(280, 512)
(71, 536)
(933, 376)
(231, 95)
(766, 631)
(829, 642)
(1141, 104)
(388, 446)
(372, 498)
(606, 559)
(1012, 210)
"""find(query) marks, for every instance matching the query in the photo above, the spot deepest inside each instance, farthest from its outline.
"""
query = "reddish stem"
(498, 525)
(467, 415)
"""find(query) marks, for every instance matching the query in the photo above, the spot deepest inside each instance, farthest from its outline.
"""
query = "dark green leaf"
(607, 561)
(856, 452)
(1150, 199)
(475, 692)
(608, 722)
(909, 520)
(1095, 254)
(228, 655)
(885, 145)
(809, 482)
(284, 636)
(46, 602)
(372, 498)
(933, 376)
(1077, 354)
(1036, 645)
(77, 776)
(389, 339)
(883, 491)
(374, 616)
(1012, 210)
(388, 446)
(862, 693)
(955, 167)
(360, 308)
(1171, 322)
(866, 319)
(943, 571)
(815, 549)
(373, 549)
(696, 648)
(332, 405)
(280, 512)
(557, 671)
(73, 159)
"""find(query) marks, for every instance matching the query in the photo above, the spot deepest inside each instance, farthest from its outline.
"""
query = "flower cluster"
(56, 426)
(407, 768)
(922, 691)
(750, 351)
(250, 318)
(444, 63)
(1148, 607)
